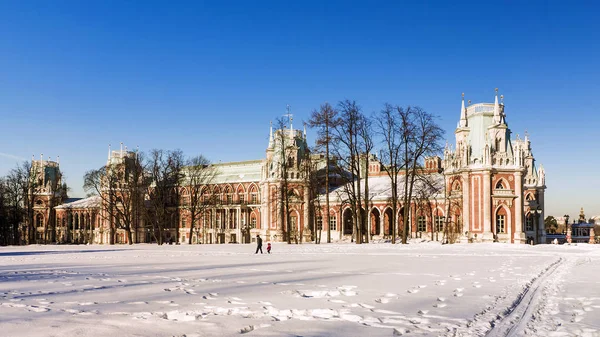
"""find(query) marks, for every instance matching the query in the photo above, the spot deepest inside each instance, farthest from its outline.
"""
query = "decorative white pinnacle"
(463, 113)
(496, 109)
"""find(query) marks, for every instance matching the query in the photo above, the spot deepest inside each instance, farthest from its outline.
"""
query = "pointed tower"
(46, 193)
(463, 113)
(496, 109)
(462, 135)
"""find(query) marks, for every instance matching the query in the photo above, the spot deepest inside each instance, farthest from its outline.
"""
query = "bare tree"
(164, 168)
(365, 132)
(388, 126)
(283, 142)
(121, 187)
(197, 174)
(7, 236)
(315, 181)
(15, 200)
(427, 188)
(20, 185)
(347, 151)
(420, 136)
(324, 120)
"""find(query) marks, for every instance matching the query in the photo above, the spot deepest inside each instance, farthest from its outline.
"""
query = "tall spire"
(496, 109)
(121, 149)
(108, 152)
(271, 134)
(463, 113)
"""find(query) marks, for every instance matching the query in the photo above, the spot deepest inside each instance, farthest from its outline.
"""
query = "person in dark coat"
(258, 244)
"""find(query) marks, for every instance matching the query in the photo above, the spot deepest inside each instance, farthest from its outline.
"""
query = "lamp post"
(566, 216)
(568, 229)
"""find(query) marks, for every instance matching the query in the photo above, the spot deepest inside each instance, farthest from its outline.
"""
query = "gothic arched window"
(500, 185)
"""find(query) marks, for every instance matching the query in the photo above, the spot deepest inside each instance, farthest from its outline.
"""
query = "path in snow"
(520, 313)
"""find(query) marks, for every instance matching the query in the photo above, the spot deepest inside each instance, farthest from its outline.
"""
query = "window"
(421, 224)
(182, 222)
(319, 223)
(500, 224)
(229, 198)
(499, 185)
(40, 220)
(529, 223)
(254, 198)
(253, 222)
(242, 199)
(439, 223)
(333, 223)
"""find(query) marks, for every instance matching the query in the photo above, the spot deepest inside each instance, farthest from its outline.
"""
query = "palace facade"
(487, 187)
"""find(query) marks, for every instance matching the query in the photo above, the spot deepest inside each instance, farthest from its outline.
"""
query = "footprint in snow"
(383, 300)
(337, 301)
(439, 305)
(35, 308)
(412, 291)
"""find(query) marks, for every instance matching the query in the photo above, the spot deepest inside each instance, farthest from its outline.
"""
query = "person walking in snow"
(269, 248)
(258, 244)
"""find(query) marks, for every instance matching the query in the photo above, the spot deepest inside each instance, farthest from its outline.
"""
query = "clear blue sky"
(207, 77)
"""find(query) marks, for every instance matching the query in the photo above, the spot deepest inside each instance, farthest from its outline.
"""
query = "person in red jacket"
(269, 248)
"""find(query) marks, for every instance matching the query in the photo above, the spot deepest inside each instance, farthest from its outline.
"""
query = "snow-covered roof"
(380, 188)
(91, 202)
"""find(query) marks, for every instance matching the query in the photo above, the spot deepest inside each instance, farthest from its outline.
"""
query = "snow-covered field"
(422, 289)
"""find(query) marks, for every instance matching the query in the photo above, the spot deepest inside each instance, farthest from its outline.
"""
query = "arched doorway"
(387, 221)
(375, 220)
(400, 222)
(347, 219)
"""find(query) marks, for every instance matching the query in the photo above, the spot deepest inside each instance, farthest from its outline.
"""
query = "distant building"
(488, 188)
